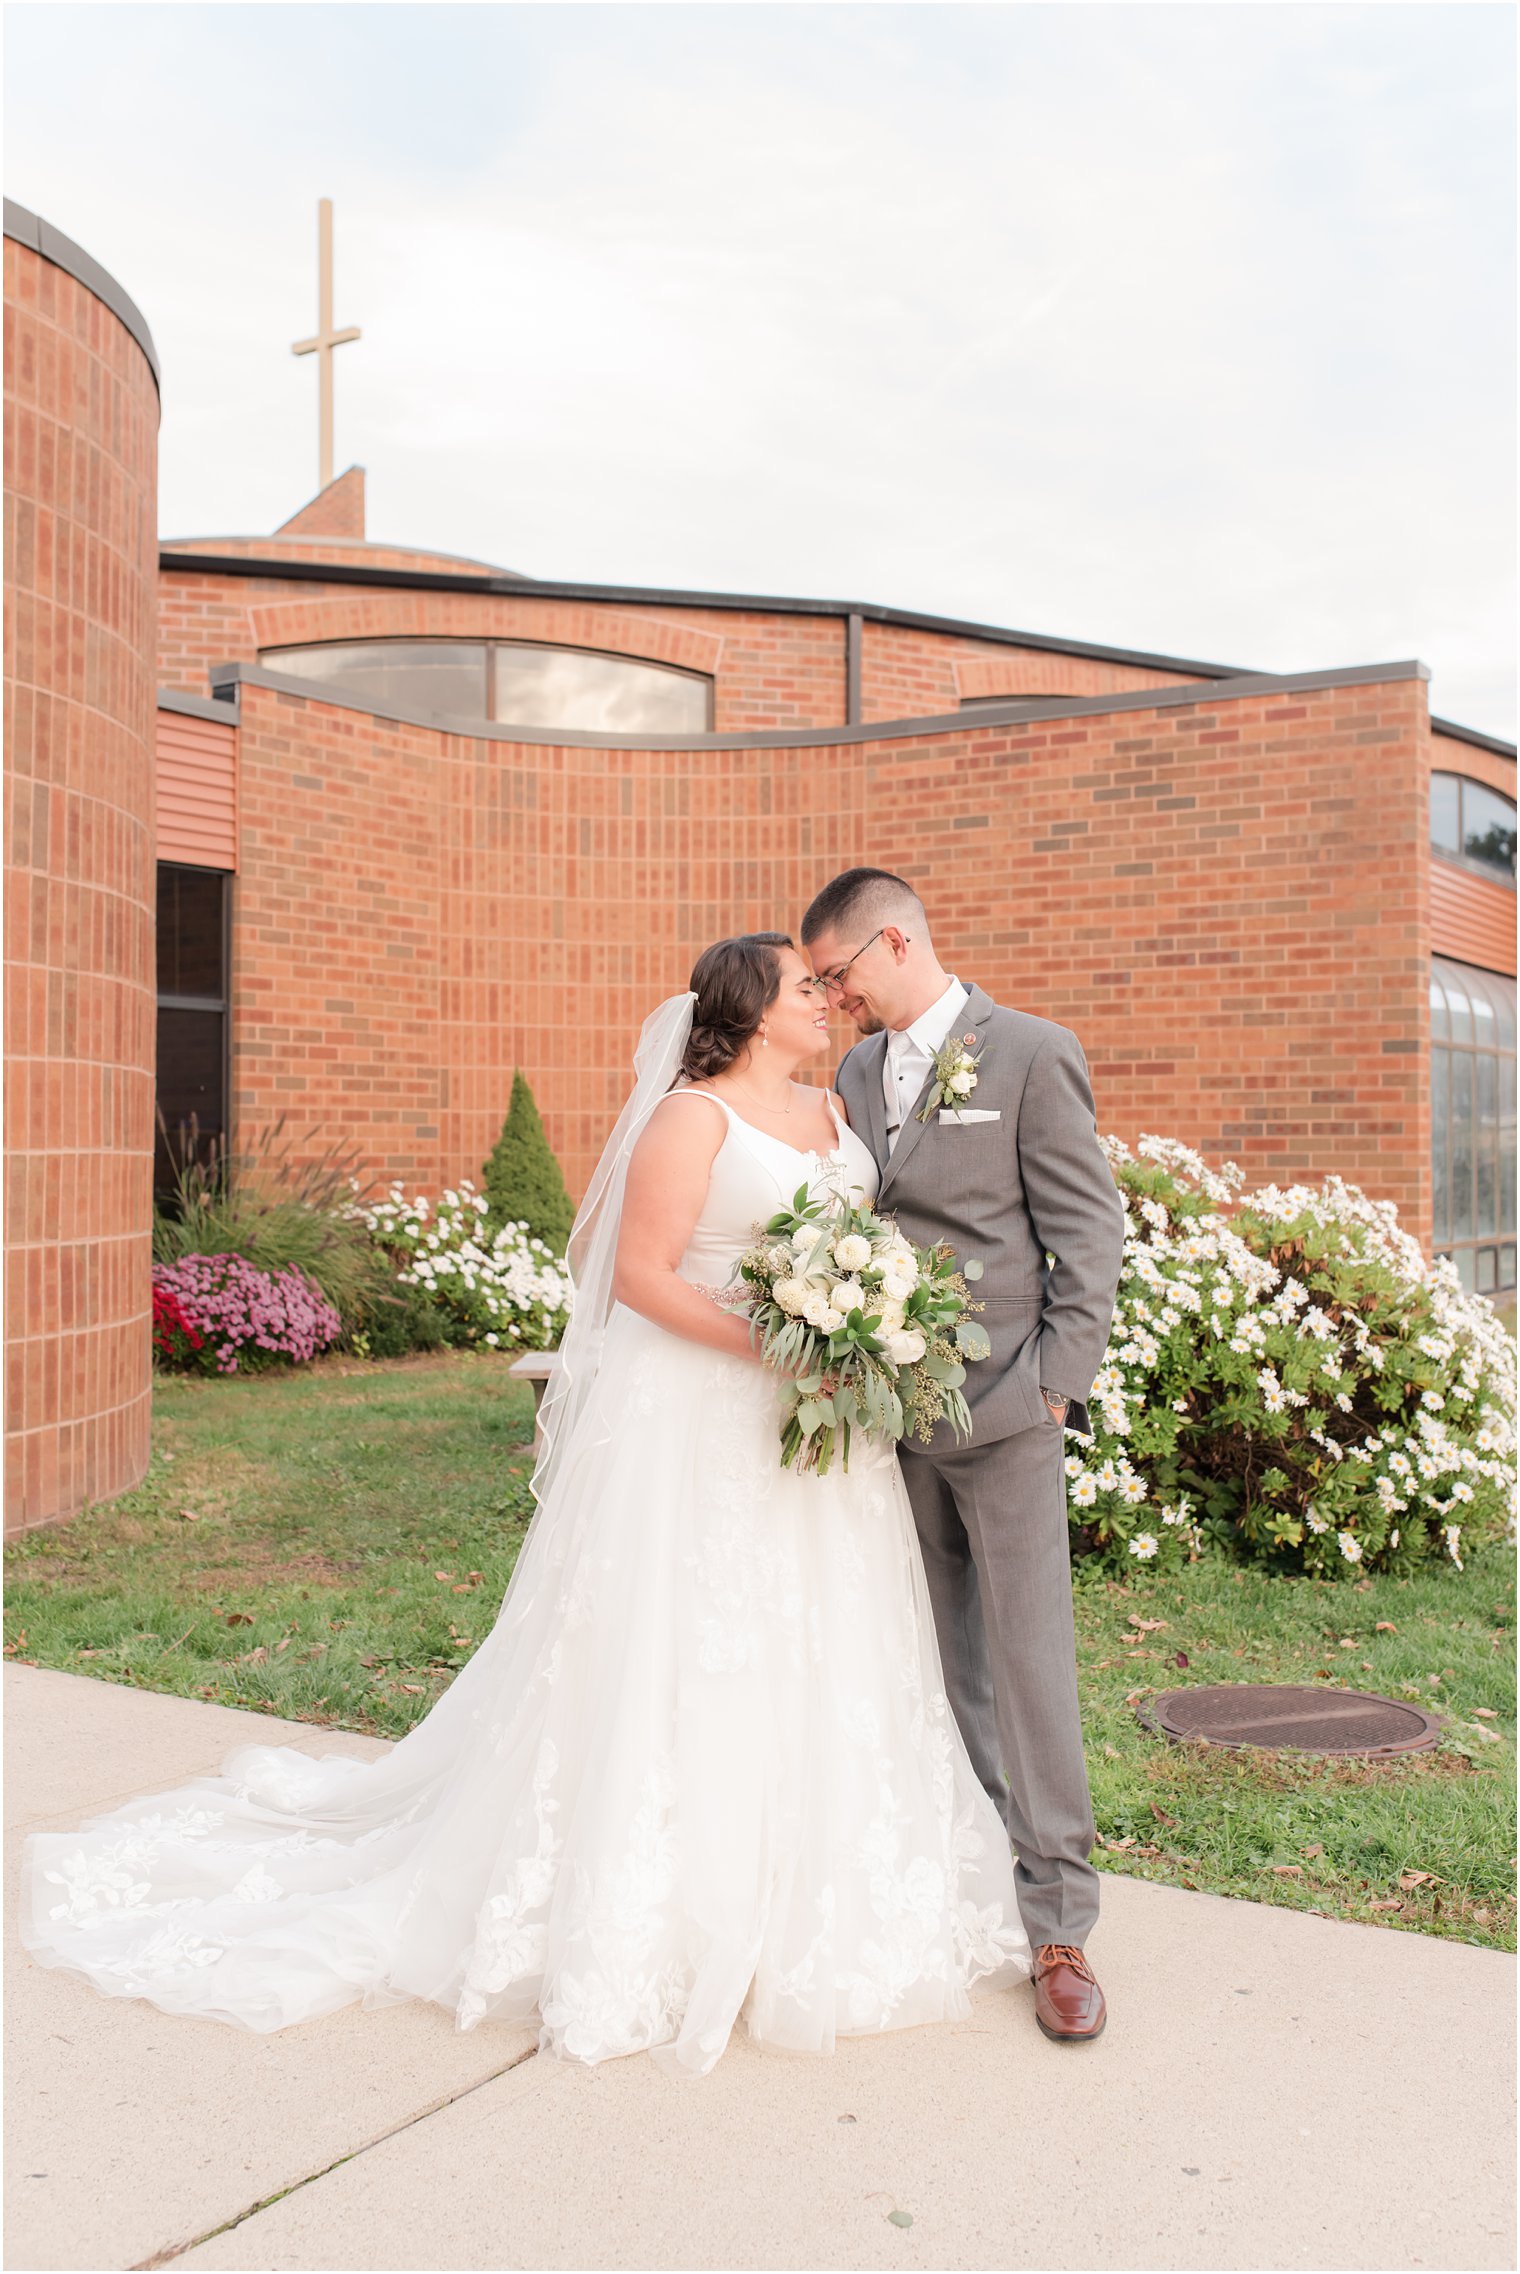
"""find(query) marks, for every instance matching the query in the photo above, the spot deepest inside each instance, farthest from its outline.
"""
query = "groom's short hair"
(861, 899)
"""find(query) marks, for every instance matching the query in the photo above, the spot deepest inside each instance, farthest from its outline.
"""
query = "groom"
(1008, 1171)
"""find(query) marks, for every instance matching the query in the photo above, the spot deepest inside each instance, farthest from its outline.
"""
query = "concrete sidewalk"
(1272, 2091)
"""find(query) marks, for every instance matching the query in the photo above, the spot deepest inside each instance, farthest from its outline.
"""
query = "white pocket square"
(968, 1113)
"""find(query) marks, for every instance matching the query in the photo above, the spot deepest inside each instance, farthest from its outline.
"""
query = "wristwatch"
(1055, 1400)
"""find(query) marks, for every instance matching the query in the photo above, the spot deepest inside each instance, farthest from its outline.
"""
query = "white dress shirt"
(910, 1056)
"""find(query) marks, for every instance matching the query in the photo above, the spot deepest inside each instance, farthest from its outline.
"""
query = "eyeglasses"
(832, 981)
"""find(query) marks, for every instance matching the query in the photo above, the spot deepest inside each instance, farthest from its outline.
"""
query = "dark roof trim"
(197, 706)
(648, 596)
(1471, 734)
(29, 229)
(1015, 713)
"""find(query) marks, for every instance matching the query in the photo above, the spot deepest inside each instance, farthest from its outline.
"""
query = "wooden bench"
(538, 1367)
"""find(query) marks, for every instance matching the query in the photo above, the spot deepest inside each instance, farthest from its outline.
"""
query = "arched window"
(1472, 1098)
(508, 683)
(1473, 824)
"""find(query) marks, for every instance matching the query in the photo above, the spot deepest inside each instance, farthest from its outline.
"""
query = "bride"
(703, 1766)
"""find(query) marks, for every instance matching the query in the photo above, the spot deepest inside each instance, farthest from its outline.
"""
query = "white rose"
(848, 1295)
(895, 1287)
(962, 1084)
(853, 1252)
(791, 1294)
(820, 1312)
(905, 1348)
(890, 1314)
(902, 1264)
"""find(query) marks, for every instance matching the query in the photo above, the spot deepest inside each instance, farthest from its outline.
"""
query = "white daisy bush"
(1288, 1377)
(502, 1289)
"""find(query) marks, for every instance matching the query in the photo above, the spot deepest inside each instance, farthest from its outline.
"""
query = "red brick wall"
(1228, 902)
(81, 449)
(908, 674)
(771, 671)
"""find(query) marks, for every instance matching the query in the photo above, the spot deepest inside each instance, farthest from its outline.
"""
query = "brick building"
(422, 820)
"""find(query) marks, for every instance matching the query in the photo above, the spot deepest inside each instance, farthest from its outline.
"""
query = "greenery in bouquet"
(498, 1288)
(1287, 1378)
(867, 1331)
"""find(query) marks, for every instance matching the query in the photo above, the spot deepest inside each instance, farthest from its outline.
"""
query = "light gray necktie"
(897, 1046)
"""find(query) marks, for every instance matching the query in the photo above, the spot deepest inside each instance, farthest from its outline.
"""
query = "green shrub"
(502, 1289)
(393, 1324)
(280, 1207)
(1287, 1378)
(522, 1179)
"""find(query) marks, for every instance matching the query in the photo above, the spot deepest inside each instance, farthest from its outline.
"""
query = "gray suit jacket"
(1010, 1193)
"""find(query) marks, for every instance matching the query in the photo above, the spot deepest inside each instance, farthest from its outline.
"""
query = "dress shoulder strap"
(691, 1091)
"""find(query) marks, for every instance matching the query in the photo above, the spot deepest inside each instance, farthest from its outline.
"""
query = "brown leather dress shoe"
(1068, 2004)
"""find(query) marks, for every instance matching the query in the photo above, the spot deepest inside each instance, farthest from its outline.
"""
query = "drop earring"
(765, 1040)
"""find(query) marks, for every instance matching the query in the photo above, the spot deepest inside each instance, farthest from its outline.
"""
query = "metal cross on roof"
(326, 338)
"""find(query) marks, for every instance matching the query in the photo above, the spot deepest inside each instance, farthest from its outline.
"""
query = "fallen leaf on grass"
(1289, 1870)
(239, 1618)
(443, 1575)
(1485, 1713)
(189, 1515)
(1386, 1903)
(1348, 1642)
(252, 1657)
(1161, 1815)
(1146, 1626)
(1181, 1659)
(1315, 1849)
(1386, 1626)
(412, 1689)
(1418, 1879)
(282, 1644)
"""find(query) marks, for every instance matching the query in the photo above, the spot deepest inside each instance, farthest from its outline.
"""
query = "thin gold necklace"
(759, 1108)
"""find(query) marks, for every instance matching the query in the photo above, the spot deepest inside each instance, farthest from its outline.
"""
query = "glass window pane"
(1507, 1266)
(1485, 1024)
(1506, 1145)
(1455, 986)
(1440, 1142)
(190, 931)
(1502, 997)
(1462, 1226)
(1438, 1027)
(1463, 1260)
(1488, 829)
(190, 1086)
(443, 676)
(596, 694)
(1486, 1143)
(1488, 1272)
(1445, 830)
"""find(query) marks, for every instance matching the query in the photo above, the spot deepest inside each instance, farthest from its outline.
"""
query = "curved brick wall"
(81, 464)
(1227, 899)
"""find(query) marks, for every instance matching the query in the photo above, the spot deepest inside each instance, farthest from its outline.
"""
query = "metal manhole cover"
(1270, 1714)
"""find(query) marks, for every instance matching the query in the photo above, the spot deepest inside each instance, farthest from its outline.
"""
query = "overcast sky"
(1173, 327)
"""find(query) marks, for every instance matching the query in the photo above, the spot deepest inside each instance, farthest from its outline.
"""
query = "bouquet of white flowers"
(867, 1331)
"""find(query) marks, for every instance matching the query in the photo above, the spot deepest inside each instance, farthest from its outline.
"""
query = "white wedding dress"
(702, 1767)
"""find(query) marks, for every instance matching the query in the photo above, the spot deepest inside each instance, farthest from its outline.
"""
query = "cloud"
(1176, 327)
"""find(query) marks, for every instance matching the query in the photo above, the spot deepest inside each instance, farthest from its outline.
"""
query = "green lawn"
(329, 1545)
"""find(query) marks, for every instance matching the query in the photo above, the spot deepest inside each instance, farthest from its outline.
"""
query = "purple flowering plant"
(245, 1318)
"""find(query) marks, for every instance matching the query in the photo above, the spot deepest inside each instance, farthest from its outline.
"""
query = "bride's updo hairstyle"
(735, 983)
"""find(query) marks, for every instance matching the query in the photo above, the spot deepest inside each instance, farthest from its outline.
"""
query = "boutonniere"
(954, 1079)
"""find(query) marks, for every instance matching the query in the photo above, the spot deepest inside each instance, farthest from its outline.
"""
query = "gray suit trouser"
(993, 1528)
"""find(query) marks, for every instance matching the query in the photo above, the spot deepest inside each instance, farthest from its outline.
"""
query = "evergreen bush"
(523, 1183)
